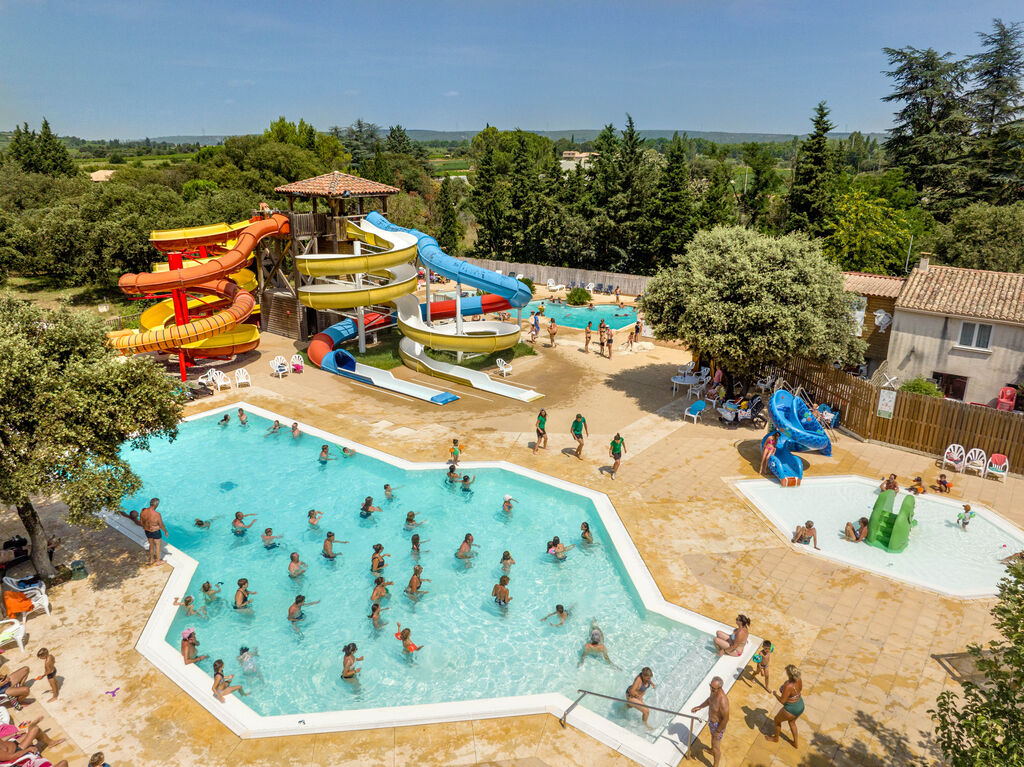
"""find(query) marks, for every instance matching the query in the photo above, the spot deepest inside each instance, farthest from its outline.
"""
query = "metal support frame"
(458, 313)
(585, 693)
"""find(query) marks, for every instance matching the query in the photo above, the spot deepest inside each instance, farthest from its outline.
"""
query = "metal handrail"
(585, 693)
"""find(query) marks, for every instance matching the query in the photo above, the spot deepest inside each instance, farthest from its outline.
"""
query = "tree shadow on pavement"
(649, 386)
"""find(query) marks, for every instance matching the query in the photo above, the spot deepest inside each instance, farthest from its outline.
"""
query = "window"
(952, 386)
(975, 335)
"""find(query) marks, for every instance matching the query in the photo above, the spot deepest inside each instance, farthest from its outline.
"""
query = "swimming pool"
(579, 316)
(941, 556)
(477, 659)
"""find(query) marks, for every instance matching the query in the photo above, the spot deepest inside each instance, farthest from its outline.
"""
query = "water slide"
(221, 282)
(799, 430)
(385, 275)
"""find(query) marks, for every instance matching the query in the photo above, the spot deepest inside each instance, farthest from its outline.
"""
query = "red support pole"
(179, 299)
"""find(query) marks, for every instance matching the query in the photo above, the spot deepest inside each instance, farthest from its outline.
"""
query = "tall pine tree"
(449, 228)
(489, 203)
(813, 191)
(675, 221)
(52, 156)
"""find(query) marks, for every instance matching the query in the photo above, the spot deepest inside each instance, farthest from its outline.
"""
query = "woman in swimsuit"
(242, 601)
(542, 432)
(507, 561)
(858, 534)
(188, 604)
(407, 644)
(636, 691)
(806, 534)
(585, 533)
(410, 521)
(500, 592)
(377, 562)
(380, 588)
(348, 669)
(560, 613)
(325, 454)
(314, 517)
(465, 551)
(557, 549)
(452, 476)
(587, 331)
(733, 644)
(413, 589)
(367, 508)
(375, 615)
(225, 420)
(768, 451)
(416, 545)
(210, 592)
(790, 695)
(273, 429)
(222, 684)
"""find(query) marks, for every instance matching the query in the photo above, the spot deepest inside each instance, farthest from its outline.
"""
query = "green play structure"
(887, 530)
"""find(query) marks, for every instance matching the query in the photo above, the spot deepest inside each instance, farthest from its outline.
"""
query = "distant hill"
(589, 134)
(201, 140)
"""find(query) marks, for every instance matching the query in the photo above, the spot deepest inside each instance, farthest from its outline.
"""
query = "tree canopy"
(983, 236)
(67, 404)
(746, 300)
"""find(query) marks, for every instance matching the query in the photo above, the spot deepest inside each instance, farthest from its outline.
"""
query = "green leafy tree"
(718, 200)
(197, 188)
(995, 163)
(813, 191)
(984, 724)
(983, 236)
(397, 141)
(764, 181)
(675, 220)
(52, 156)
(66, 407)
(746, 299)
(931, 129)
(449, 229)
(865, 234)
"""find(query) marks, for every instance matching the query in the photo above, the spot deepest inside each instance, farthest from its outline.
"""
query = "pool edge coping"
(246, 723)
(777, 524)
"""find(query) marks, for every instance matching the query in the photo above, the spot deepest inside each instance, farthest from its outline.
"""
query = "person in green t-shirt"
(615, 451)
(542, 431)
(579, 426)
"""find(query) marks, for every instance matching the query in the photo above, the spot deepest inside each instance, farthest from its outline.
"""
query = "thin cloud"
(352, 92)
(451, 94)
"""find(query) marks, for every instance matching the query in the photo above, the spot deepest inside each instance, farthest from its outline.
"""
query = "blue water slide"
(435, 259)
(783, 463)
(797, 424)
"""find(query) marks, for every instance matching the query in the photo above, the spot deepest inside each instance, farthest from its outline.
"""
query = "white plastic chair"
(697, 389)
(12, 584)
(242, 377)
(696, 410)
(590, 287)
(954, 456)
(519, 276)
(221, 379)
(976, 461)
(999, 465)
(40, 602)
(553, 287)
(504, 367)
(207, 378)
(12, 631)
(297, 363)
(279, 367)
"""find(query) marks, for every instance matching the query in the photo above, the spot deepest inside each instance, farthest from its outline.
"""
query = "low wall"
(629, 284)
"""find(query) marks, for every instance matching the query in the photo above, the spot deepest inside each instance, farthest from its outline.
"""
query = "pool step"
(670, 660)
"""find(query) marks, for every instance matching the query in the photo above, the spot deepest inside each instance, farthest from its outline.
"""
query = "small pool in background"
(472, 649)
(941, 556)
(579, 316)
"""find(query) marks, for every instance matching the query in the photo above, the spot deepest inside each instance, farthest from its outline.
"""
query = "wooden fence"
(629, 284)
(919, 422)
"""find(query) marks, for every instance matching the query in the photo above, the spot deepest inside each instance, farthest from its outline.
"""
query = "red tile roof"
(958, 292)
(865, 284)
(335, 184)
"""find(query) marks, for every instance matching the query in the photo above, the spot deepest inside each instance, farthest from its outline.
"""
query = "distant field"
(454, 163)
(98, 163)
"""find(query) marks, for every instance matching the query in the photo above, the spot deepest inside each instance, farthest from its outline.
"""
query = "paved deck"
(870, 648)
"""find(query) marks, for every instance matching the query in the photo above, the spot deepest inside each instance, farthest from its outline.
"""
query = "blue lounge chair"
(696, 410)
(599, 288)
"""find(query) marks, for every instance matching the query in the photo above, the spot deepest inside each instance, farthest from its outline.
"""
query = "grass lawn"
(489, 361)
(384, 355)
(41, 291)
(454, 163)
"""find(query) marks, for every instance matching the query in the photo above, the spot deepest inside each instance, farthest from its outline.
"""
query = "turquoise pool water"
(579, 316)
(471, 648)
(941, 555)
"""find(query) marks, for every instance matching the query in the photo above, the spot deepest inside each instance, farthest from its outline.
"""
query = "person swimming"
(507, 561)
(595, 644)
(238, 524)
(375, 615)
(295, 613)
(416, 544)
(377, 562)
(274, 429)
(466, 482)
(413, 589)
(225, 420)
(367, 509)
(585, 533)
(380, 588)
(296, 567)
(506, 506)
(500, 592)
(404, 635)
(410, 521)
(243, 596)
(560, 612)
(314, 517)
(269, 539)
(557, 549)
(325, 454)
(328, 550)
(452, 477)
(465, 551)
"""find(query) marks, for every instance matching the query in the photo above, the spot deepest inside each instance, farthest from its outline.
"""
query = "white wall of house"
(923, 344)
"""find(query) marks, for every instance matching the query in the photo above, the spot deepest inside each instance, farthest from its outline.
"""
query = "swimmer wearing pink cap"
(189, 643)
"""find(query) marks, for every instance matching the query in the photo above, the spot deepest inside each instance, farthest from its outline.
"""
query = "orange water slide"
(210, 278)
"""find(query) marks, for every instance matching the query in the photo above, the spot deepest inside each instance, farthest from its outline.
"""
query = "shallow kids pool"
(472, 649)
(940, 556)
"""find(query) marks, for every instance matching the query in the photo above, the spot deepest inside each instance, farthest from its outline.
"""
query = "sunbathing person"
(858, 534)
(806, 534)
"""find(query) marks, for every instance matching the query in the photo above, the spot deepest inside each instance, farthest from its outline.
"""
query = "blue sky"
(132, 69)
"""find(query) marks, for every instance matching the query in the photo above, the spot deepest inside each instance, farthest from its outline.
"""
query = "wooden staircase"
(282, 314)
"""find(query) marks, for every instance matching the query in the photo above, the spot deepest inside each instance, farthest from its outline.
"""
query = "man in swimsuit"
(295, 431)
(296, 567)
(238, 525)
(269, 538)
(615, 450)
(295, 611)
(13, 685)
(718, 716)
(153, 525)
(609, 339)
(465, 551)
(189, 643)
(328, 550)
(595, 644)
(578, 427)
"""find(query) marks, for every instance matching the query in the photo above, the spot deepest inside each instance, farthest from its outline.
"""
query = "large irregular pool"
(471, 647)
(940, 556)
(579, 316)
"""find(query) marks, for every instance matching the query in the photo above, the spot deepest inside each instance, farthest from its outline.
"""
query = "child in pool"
(761, 658)
(507, 561)
(964, 517)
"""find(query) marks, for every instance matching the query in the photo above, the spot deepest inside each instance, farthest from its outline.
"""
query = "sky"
(102, 69)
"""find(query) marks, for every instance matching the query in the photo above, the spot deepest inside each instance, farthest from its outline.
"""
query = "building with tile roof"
(874, 312)
(336, 185)
(963, 328)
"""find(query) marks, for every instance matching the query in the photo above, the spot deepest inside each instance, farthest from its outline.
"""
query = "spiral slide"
(385, 275)
(799, 430)
(221, 282)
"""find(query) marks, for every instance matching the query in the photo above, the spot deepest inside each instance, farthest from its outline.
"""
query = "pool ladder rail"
(585, 693)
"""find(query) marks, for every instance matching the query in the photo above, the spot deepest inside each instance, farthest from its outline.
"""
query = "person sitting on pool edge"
(890, 483)
(805, 534)
(858, 534)
(917, 487)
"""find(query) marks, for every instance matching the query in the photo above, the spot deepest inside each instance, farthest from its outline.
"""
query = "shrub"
(921, 385)
(578, 297)
(528, 283)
